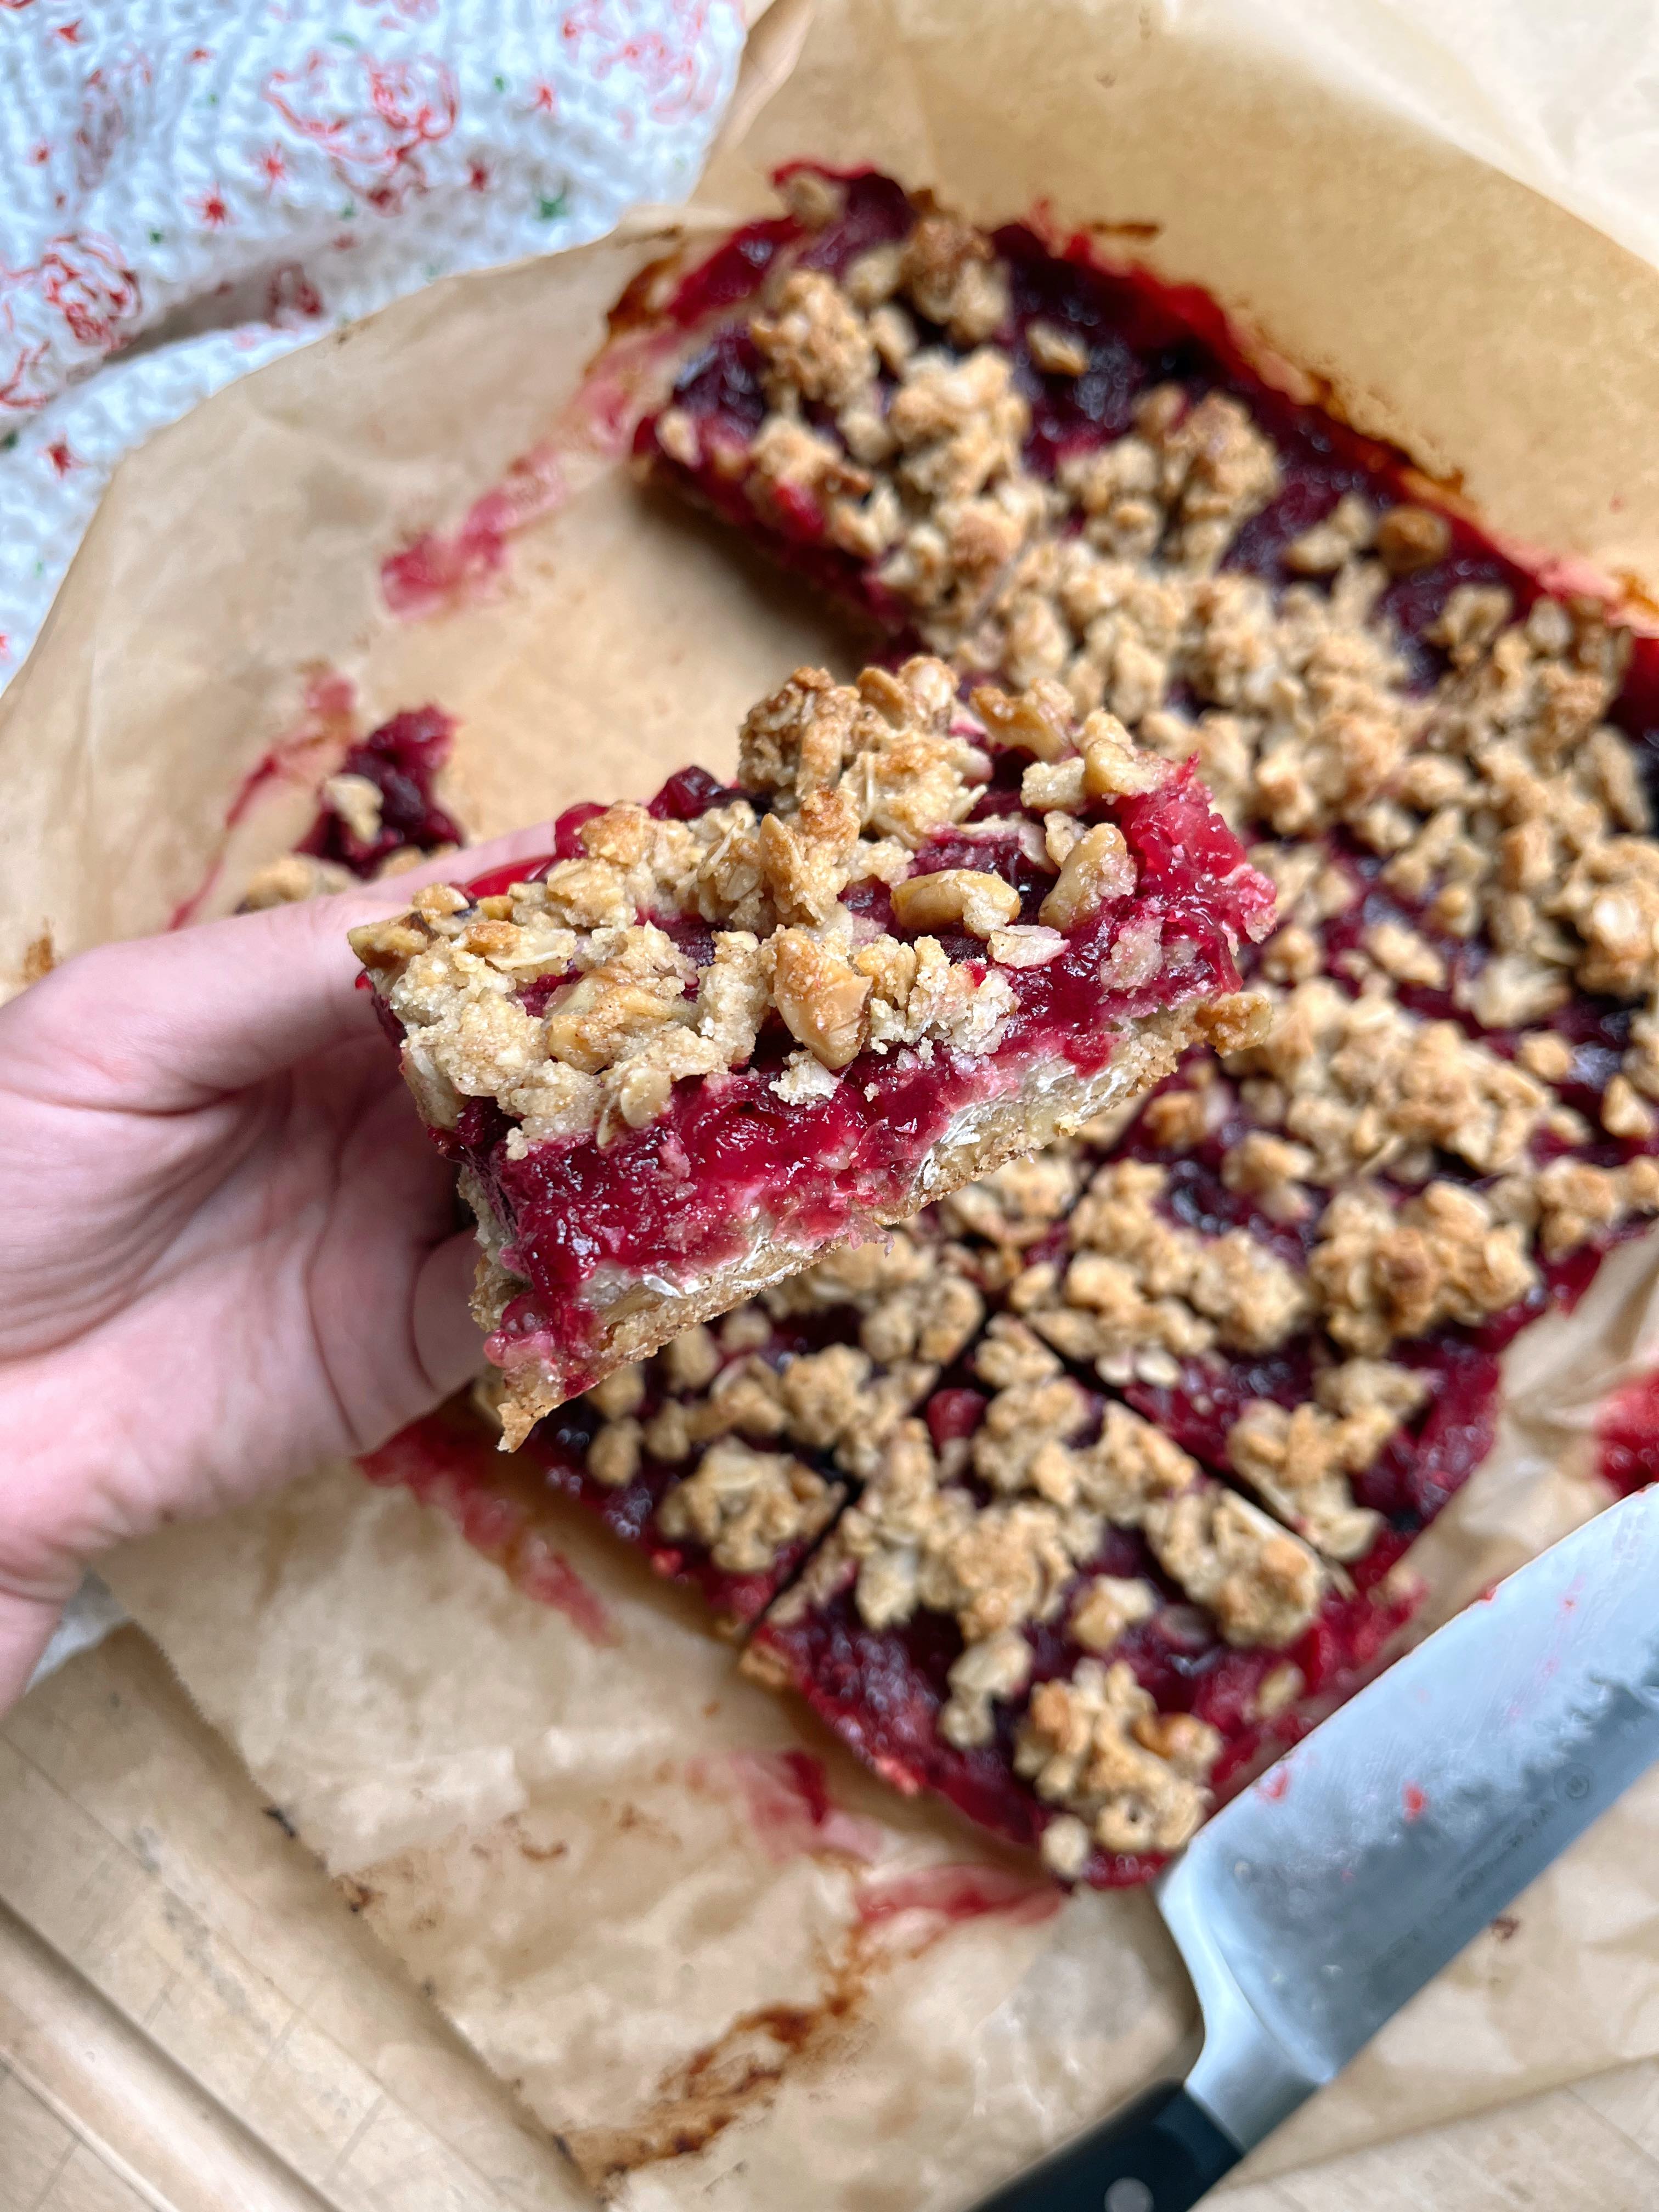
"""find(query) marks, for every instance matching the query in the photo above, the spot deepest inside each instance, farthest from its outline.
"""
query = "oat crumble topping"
(1128, 1777)
(745, 1505)
(1456, 854)
(1389, 1125)
(853, 779)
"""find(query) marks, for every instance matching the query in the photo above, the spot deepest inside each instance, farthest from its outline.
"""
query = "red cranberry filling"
(683, 1193)
(401, 759)
(881, 1690)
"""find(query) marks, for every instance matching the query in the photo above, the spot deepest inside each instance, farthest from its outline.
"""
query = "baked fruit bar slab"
(1441, 753)
(711, 1037)
(1066, 473)
(1198, 1375)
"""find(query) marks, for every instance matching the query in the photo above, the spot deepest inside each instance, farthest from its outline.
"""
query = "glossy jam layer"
(685, 1194)
(401, 759)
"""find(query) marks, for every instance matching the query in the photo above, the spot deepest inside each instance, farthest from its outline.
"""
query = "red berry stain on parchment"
(449, 1462)
(626, 380)
(442, 570)
(322, 733)
(786, 1794)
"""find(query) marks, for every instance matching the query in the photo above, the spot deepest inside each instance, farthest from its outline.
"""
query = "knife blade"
(1314, 1904)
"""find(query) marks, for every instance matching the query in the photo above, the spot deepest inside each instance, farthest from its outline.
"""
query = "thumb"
(447, 1341)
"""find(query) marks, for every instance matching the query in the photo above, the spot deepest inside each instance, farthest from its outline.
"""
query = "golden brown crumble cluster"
(923, 475)
(997, 1529)
(1052, 1472)
(923, 1539)
(1299, 1462)
(711, 1405)
(856, 779)
(1518, 824)
(1138, 1292)
(1128, 1777)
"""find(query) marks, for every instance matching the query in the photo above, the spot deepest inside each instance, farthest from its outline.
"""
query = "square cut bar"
(711, 1038)
(1042, 1609)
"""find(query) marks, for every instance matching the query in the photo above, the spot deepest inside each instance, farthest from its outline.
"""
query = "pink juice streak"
(311, 751)
(440, 570)
(786, 1797)
(957, 1892)
(449, 1462)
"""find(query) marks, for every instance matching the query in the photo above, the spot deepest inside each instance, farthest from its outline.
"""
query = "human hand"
(227, 1248)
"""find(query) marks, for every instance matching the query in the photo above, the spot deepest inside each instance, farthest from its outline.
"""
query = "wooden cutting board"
(192, 2020)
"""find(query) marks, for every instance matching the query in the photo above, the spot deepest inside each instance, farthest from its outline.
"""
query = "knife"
(1309, 1909)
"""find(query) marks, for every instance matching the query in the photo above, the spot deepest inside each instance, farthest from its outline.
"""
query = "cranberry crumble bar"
(1091, 1483)
(1067, 474)
(710, 1037)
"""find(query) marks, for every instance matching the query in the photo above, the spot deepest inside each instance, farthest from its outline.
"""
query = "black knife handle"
(1159, 2155)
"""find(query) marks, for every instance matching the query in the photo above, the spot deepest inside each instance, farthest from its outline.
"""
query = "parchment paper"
(592, 1853)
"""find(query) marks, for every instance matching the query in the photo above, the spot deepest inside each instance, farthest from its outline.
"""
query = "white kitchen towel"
(190, 187)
